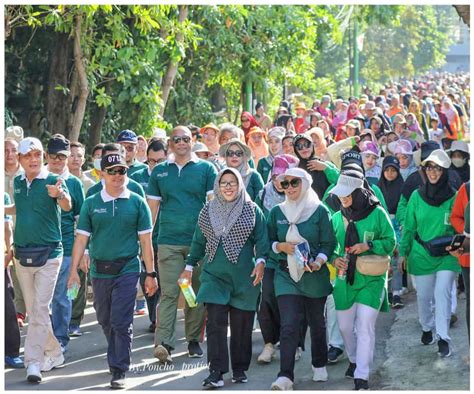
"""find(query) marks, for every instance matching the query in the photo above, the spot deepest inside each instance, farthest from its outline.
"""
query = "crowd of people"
(320, 216)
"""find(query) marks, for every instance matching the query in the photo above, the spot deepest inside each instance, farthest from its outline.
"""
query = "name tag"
(100, 210)
(162, 175)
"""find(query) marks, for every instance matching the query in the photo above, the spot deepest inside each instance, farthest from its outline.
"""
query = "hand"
(188, 275)
(341, 263)
(317, 264)
(151, 286)
(73, 278)
(258, 273)
(286, 247)
(54, 191)
(84, 264)
(316, 165)
(359, 248)
(456, 252)
(8, 257)
(402, 264)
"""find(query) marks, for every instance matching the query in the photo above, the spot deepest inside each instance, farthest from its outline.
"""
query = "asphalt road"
(401, 361)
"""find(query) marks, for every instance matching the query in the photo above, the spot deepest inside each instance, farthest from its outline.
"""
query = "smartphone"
(457, 241)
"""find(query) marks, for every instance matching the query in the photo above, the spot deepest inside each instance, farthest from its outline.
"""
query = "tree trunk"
(80, 105)
(97, 121)
(57, 109)
(172, 67)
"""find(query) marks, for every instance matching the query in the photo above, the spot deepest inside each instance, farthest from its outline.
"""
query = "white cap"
(15, 132)
(439, 157)
(160, 133)
(346, 185)
(28, 144)
(460, 146)
(200, 147)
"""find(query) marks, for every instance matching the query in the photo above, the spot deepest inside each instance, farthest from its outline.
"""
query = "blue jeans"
(61, 307)
(114, 303)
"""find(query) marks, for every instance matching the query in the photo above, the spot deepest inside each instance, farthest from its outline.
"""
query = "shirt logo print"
(282, 221)
(100, 210)
(163, 174)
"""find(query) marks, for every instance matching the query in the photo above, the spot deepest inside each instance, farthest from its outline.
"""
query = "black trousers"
(151, 302)
(465, 276)
(268, 314)
(291, 308)
(241, 324)
(12, 331)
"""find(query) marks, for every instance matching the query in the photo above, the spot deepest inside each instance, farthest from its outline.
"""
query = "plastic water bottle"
(341, 274)
(188, 292)
(72, 292)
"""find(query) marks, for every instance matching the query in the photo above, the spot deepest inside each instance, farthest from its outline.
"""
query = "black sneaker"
(118, 380)
(443, 348)
(334, 354)
(350, 370)
(427, 338)
(214, 380)
(361, 384)
(453, 320)
(194, 350)
(239, 377)
(390, 298)
(152, 327)
(397, 302)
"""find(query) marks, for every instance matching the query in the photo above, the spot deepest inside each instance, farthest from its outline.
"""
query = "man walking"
(129, 140)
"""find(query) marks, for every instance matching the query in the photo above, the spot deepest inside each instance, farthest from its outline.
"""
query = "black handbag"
(111, 267)
(437, 246)
(36, 256)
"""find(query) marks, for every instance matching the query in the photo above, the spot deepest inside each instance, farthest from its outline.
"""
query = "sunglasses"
(433, 168)
(177, 140)
(232, 184)
(236, 153)
(294, 183)
(115, 171)
(303, 145)
(53, 156)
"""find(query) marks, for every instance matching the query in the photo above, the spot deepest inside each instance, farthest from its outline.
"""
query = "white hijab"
(296, 212)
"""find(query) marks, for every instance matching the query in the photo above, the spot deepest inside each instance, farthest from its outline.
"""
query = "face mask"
(97, 164)
(458, 162)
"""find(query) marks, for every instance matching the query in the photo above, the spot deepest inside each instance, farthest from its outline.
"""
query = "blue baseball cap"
(127, 136)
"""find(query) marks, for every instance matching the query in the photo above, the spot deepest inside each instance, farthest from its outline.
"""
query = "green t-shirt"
(132, 185)
(136, 166)
(182, 194)
(68, 219)
(7, 201)
(113, 226)
(255, 185)
(264, 167)
(38, 216)
(429, 222)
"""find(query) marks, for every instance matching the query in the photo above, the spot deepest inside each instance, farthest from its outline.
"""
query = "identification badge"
(368, 236)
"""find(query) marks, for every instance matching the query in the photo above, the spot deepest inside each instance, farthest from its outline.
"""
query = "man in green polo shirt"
(128, 139)
(116, 221)
(179, 188)
(39, 197)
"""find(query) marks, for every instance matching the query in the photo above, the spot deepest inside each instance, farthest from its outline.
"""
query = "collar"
(172, 158)
(148, 170)
(106, 197)
(43, 174)
(64, 175)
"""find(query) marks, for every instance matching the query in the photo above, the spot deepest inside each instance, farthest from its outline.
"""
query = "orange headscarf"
(261, 150)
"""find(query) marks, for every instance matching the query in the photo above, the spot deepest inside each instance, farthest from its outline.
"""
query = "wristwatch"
(151, 274)
(371, 244)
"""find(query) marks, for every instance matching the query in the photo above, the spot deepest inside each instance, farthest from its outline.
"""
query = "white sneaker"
(267, 354)
(299, 352)
(320, 374)
(33, 373)
(282, 383)
(50, 363)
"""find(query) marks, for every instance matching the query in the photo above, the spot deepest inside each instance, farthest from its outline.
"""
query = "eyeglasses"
(294, 183)
(53, 156)
(177, 140)
(245, 120)
(231, 184)
(115, 171)
(433, 168)
(303, 145)
(153, 161)
(232, 153)
(129, 148)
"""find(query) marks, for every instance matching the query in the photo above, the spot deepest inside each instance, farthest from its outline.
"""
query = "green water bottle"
(188, 292)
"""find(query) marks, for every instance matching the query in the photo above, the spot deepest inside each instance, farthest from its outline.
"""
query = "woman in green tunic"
(428, 217)
(275, 147)
(362, 227)
(231, 231)
(237, 155)
(301, 289)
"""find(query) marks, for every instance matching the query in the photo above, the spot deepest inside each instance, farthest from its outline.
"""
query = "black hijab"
(320, 181)
(436, 194)
(464, 171)
(391, 190)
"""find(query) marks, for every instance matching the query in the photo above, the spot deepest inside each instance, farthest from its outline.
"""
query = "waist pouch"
(372, 264)
(111, 267)
(35, 256)
(437, 246)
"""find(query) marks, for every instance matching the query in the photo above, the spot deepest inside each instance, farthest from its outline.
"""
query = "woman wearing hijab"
(391, 184)
(362, 227)
(237, 155)
(459, 154)
(287, 144)
(275, 137)
(415, 109)
(248, 121)
(232, 236)
(323, 173)
(403, 151)
(319, 142)
(268, 314)
(454, 123)
(257, 142)
(428, 218)
(301, 220)
(285, 121)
